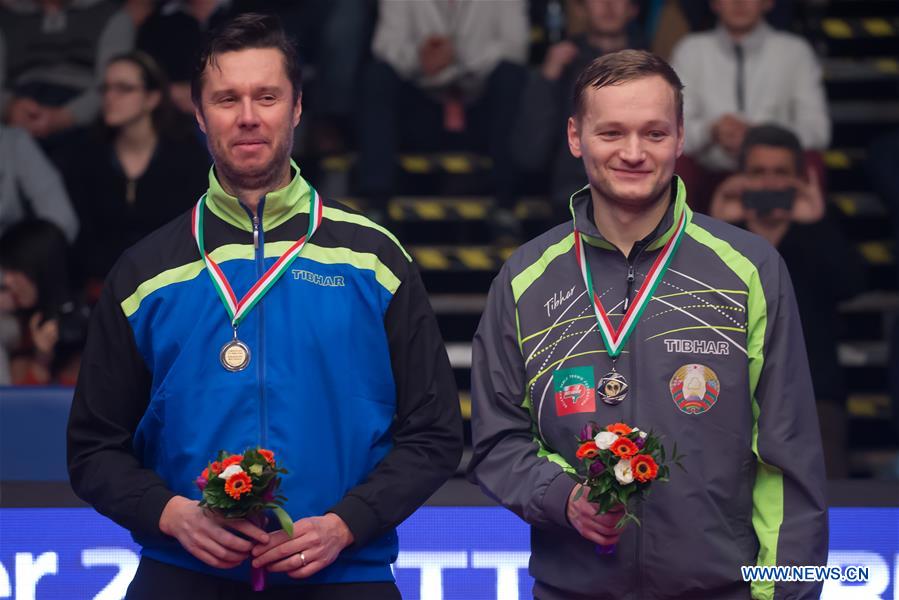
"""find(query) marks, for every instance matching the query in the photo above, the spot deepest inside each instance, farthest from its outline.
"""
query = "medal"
(613, 387)
(235, 355)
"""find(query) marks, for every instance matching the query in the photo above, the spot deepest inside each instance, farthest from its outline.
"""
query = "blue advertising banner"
(446, 553)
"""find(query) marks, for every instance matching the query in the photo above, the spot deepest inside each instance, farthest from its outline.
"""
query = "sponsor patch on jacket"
(575, 391)
(322, 280)
(694, 389)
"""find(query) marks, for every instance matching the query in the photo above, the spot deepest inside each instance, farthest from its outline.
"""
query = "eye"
(227, 100)
(657, 135)
(610, 134)
(268, 99)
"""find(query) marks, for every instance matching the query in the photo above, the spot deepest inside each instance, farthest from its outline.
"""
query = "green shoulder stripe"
(335, 214)
(523, 280)
(767, 492)
(328, 256)
(183, 273)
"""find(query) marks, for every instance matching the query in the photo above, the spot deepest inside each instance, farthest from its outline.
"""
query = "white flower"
(623, 472)
(604, 439)
(231, 470)
(643, 434)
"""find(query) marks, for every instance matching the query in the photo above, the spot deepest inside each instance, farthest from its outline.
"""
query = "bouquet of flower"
(620, 462)
(238, 486)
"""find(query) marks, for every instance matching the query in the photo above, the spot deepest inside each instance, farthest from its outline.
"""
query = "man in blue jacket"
(266, 317)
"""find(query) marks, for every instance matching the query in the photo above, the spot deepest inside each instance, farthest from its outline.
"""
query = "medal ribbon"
(615, 339)
(237, 310)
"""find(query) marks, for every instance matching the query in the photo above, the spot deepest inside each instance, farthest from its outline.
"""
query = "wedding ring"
(303, 558)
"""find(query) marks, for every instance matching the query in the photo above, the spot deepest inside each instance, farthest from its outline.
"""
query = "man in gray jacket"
(695, 323)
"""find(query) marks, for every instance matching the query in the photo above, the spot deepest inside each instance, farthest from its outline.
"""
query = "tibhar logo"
(697, 346)
(322, 280)
(557, 300)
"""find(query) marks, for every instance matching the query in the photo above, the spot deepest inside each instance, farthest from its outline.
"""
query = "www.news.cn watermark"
(805, 573)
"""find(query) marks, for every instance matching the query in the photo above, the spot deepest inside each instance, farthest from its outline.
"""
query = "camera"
(765, 201)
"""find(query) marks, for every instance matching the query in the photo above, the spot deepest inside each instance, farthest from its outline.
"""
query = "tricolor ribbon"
(238, 310)
(615, 339)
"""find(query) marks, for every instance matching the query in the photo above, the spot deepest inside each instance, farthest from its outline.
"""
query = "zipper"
(259, 259)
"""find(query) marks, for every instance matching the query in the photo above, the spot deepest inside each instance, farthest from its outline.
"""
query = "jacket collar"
(581, 205)
(276, 207)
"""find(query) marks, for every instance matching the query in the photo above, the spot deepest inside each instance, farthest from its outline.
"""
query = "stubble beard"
(265, 177)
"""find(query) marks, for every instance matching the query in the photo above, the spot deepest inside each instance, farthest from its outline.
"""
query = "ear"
(153, 99)
(574, 138)
(680, 139)
(201, 120)
(298, 109)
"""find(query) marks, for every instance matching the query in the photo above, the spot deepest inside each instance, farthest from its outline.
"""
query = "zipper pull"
(255, 232)
(630, 285)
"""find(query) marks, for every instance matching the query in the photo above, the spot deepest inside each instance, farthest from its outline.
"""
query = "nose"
(248, 117)
(631, 150)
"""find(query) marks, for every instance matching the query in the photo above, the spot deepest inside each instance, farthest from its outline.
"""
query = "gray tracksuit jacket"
(716, 364)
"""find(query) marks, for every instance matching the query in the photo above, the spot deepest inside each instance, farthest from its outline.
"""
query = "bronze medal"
(235, 355)
(612, 388)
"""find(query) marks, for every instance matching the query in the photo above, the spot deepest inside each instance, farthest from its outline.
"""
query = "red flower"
(238, 485)
(267, 455)
(216, 467)
(587, 450)
(205, 474)
(644, 468)
(623, 448)
(234, 459)
(619, 428)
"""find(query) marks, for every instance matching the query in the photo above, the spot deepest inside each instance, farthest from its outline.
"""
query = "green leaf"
(284, 519)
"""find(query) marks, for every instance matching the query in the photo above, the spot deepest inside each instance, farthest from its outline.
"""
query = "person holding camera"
(777, 197)
(42, 326)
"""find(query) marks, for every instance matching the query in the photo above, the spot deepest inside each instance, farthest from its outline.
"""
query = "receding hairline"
(579, 107)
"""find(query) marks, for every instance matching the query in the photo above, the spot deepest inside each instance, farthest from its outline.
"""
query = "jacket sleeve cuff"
(150, 509)
(555, 500)
(359, 517)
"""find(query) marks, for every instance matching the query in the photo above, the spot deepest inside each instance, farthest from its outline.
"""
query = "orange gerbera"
(232, 460)
(267, 455)
(216, 468)
(205, 473)
(238, 485)
(624, 448)
(644, 468)
(587, 450)
(619, 428)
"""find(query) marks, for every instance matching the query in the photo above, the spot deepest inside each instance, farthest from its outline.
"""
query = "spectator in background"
(44, 327)
(740, 74)
(442, 67)
(52, 54)
(539, 137)
(30, 185)
(121, 174)
(172, 35)
(882, 163)
(777, 197)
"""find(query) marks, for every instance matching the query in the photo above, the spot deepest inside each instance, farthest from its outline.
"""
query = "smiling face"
(629, 137)
(248, 113)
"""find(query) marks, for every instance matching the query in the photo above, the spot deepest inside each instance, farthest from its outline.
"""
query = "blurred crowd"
(99, 146)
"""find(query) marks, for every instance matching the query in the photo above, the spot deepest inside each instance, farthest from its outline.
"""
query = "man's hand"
(206, 535)
(727, 203)
(728, 132)
(808, 207)
(557, 58)
(435, 54)
(318, 539)
(599, 529)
